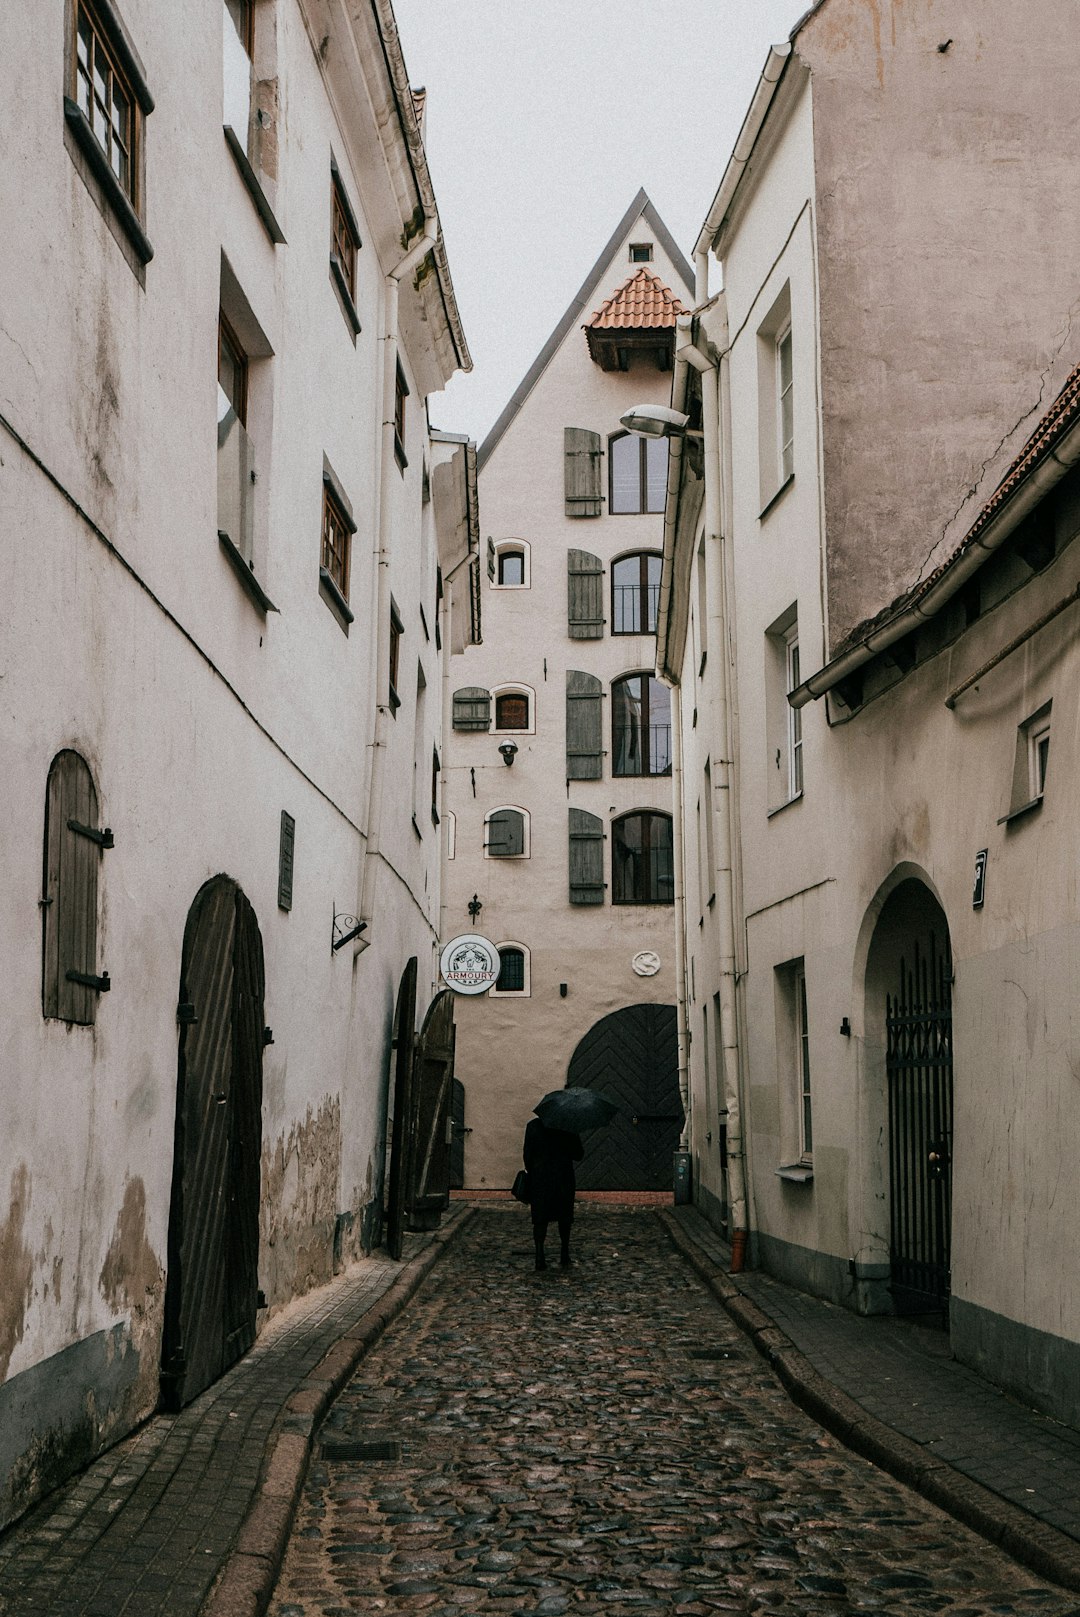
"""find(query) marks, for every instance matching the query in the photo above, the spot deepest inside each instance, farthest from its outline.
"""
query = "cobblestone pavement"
(148, 1526)
(604, 1439)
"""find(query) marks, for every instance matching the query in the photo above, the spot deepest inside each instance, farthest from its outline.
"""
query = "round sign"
(470, 964)
(646, 964)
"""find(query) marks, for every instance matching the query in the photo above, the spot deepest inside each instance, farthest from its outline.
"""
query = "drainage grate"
(355, 1448)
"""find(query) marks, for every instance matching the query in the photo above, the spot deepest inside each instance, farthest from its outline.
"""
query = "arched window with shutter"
(585, 595)
(584, 726)
(506, 833)
(514, 971)
(472, 708)
(581, 460)
(642, 859)
(586, 857)
(74, 845)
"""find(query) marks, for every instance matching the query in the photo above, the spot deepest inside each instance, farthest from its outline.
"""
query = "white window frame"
(526, 837)
(513, 689)
(525, 991)
(785, 405)
(803, 1095)
(450, 819)
(513, 545)
(794, 714)
(1037, 732)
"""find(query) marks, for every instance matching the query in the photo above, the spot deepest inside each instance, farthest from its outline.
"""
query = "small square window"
(343, 240)
(336, 542)
(1031, 765)
(641, 252)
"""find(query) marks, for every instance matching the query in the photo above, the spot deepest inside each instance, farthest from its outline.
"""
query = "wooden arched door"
(631, 1058)
(211, 1293)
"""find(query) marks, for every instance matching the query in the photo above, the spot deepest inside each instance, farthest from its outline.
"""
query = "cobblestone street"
(604, 1439)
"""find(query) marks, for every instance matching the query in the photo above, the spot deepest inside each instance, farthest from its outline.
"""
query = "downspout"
(372, 853)
(722, 807)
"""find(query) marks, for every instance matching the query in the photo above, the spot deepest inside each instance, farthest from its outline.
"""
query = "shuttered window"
(506, 834)
(73, 850)
(638, 474)
(642, 860)
(586, 857)
(582, 454)
(584, 726)
(472, 708)
(585, 595)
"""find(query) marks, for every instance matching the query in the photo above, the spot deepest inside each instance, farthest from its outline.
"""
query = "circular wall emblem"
(470, 964)
(646, 964)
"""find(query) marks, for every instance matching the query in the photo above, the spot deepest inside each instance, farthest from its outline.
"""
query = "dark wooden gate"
(458, 1132)
(404, 1040)
(631, 1057)
(211, 1294)
(919, 1066)
(429, 1176)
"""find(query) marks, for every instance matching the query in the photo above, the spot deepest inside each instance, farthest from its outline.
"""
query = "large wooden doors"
(418, 1182)
(211, 1294)
(631, 1058)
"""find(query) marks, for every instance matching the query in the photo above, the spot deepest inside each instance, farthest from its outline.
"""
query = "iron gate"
(919, 1066)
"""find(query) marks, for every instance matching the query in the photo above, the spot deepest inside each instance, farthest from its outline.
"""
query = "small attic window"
(641, 252)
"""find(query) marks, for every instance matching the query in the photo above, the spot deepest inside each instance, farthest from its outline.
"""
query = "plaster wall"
(511, 1050)
(941, 175)
(200, 718)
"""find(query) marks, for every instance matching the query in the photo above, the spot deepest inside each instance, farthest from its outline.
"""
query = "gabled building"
(868, 605)
(558, 785)
(226, 300)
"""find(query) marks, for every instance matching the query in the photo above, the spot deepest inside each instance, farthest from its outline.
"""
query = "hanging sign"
(470, 964)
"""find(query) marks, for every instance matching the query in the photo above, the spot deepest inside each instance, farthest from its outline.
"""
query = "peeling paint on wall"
(16, 1267)
(133, 1280)
(298, 1215)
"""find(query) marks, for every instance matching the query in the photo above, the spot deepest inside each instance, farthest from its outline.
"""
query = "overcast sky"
(544, 118)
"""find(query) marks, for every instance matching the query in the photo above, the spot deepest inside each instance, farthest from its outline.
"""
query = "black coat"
(550, 1155)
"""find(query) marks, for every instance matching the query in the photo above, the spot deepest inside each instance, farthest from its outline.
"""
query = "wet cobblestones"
(603, 1440)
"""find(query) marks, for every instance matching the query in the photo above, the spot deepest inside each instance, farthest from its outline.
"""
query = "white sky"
(544, 118)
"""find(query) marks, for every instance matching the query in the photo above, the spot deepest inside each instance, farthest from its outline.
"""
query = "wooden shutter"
(286, 851)
(506, 834)
(586, 858)
(472, 708)
(585, 595)
(73, 847)
(584, 726)
(582, 460)
(491, 558)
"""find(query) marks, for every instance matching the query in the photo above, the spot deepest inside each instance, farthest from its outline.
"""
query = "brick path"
(148, 1527)
(605, 1439)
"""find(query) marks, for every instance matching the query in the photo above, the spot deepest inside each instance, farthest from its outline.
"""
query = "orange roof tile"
(643, 303)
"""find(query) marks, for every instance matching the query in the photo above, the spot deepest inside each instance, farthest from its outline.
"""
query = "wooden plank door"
(631, 1058)
(429, 1178)
(403, 1048)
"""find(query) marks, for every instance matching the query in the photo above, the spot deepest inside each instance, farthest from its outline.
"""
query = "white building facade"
(559, 780)
(226, 300)
(886, 533)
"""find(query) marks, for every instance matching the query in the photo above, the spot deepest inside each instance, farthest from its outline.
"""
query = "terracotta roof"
(1062, 414)
(643, 303)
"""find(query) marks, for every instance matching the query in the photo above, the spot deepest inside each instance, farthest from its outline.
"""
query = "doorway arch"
(211, 1291)
(631, 1058)
(908, 1081)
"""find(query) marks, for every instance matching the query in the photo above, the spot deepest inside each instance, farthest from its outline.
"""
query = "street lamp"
(658, 421)
(508, 752)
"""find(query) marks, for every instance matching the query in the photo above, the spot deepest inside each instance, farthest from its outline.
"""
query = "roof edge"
(641, 205)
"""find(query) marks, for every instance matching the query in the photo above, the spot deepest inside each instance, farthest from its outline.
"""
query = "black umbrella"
(574, 1110)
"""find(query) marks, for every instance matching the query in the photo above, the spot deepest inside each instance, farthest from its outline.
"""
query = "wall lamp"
(658, 421)
(508, 752)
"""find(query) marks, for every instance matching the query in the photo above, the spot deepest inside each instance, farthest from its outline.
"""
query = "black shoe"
(541, 1261)
(564, 1261)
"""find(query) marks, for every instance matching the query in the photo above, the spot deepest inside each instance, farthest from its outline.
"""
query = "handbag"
(520, 1188)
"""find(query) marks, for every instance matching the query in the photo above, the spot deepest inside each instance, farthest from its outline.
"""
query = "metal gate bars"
(919, 1066)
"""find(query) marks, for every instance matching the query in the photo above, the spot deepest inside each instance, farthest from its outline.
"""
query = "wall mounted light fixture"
(508, 752)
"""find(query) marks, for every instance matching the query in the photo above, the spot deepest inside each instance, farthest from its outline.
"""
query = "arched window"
(74, 843)
(513, 707)
(506, 833)
(640, 726)
(513, 969)
(637, 468)
(511, 565)
(642, 859)
(635, 591)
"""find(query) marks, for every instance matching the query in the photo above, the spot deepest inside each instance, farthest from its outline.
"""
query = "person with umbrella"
(552, 1146)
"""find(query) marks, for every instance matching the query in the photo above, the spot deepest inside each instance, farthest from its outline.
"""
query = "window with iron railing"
(640, 726)
(635, 593)
(642, 859)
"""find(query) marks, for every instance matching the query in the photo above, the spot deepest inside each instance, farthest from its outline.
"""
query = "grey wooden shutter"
(491, 558)
(506, 834)
(472, 708)
(585, 595)
(584, 726)
(582, 461)
(73, 847)
(586, 858)
(286, 851)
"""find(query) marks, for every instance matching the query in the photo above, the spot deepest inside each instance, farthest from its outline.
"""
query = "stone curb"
(1034, 1543)
(247, 1579)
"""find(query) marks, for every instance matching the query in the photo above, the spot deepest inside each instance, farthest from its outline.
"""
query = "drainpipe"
(722, 807)
(681, 1014)
(415, 255)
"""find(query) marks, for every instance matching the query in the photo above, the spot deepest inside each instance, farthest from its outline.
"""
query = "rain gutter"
(771, 74)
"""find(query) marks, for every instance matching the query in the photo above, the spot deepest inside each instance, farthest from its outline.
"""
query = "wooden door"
(429, 1176)
(402, 1045)
(631, 1058)
(211, 1294)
